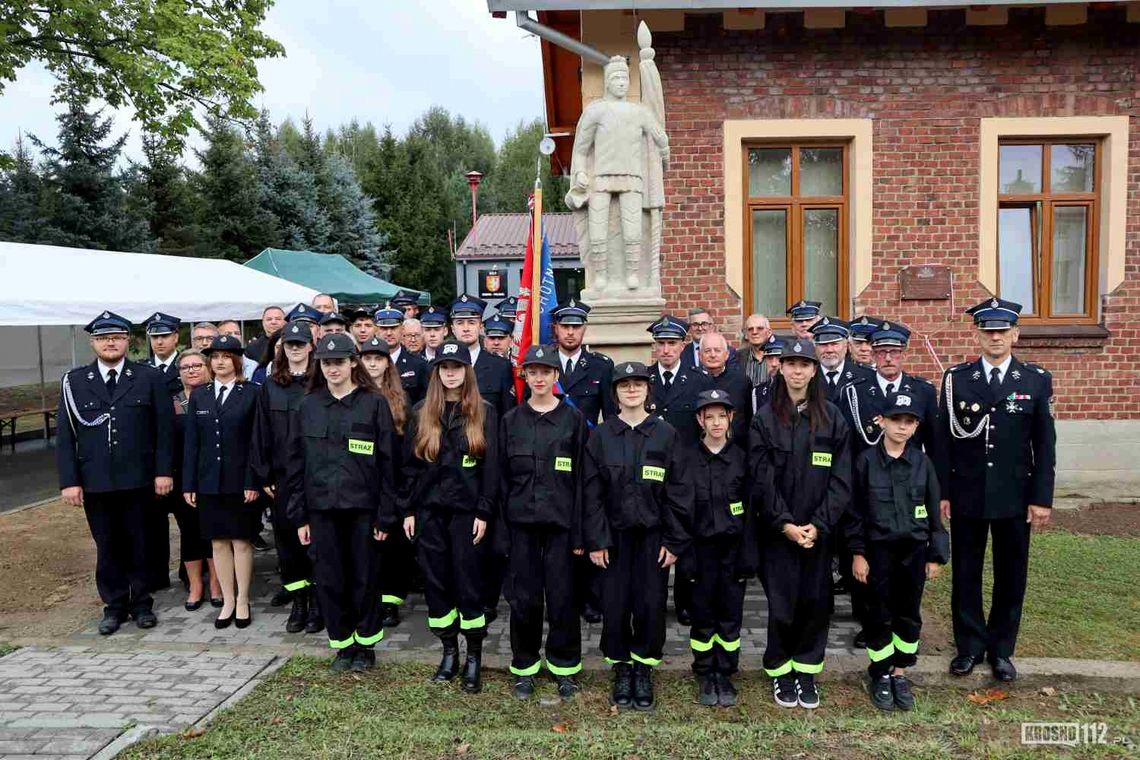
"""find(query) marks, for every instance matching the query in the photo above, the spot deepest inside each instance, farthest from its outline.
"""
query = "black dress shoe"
(860, 640)
(1003, 669)
(192, 606)
(591, 615)
(224, 622)
(280, 598)
(243, 622)
(216, 602)
(963, 664)
(110, 623)
(683, 617)
(145, 619)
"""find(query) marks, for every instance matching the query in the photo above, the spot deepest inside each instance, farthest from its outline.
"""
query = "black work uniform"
(276, 411)
(340, 485)
(398, 560)
(736, 384)
(496, 379)
(636, 499)
(894, 523)
(996, 453)
(446, 497)
(799, 476)
(158, 517)
(541, 527)
(113, 443)
(724, 555)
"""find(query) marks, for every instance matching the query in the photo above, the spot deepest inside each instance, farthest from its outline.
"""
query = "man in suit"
(495, 375)
(114, 456)
(272, 320)
(995, 451)
(585, 375)
(700, 325)
(411, 368)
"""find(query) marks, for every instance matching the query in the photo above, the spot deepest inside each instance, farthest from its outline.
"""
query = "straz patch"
(736, 508)
(468, 460)
(821, 459)
(563, 464)
(649, 472)
(920, 512)
(360, 447)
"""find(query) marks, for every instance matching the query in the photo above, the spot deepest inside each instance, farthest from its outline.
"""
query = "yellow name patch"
(563, 464)
(648, 472)
(468, 460)
(736, 508)
(821, 459)
(920, 511)
(360, 447)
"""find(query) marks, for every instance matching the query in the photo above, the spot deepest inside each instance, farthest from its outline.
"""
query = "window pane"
(1071, 168)
(1015, 256)
(769, 261)
(1070, 233)
(1020, 169)
(821, 257)
(821, 171)
(769, 172)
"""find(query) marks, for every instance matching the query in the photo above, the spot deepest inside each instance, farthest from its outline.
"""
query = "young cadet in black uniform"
(162, 334)
(342, 497)
(277, 402)
(450, 492)
(724, 548)
(541, 444)
(801, 483)
(434, 323)
(217, 479)
(410, 368)
(113, 455)
(762, 394)
(636, 509)
(897, 539)
(996, 452)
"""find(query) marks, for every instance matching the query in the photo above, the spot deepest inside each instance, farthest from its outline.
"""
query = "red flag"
(523, 316)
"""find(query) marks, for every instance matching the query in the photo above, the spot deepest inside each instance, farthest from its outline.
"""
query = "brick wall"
(926, 89)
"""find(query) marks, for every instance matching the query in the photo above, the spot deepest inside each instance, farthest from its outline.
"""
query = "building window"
(1048, 220)
(795, 211)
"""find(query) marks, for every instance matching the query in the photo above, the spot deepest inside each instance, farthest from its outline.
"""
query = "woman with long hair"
(342, 498)
(217, 479)
(451, 486)
(800, 457)
(277, 402)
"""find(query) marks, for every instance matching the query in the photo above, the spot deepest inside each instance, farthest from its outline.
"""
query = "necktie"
(831, 377)
(668, 375)
(995, 383)
(569, 367)
(890, 389)
(111, 381)
(221, 396)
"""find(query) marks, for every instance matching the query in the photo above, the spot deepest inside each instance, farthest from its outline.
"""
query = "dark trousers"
(859, 592)
(682, 589)
(397, 564)
(346, 565)
(894, 610)
(587, 583)
(718, 607)
(117, 523)
(973, 634)
(453, 573)
(293, 560)
(634, 591)
(798, 584)
(542, 569)
(156, 528)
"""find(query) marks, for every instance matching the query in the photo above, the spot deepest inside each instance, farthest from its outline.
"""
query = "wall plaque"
(924, 282)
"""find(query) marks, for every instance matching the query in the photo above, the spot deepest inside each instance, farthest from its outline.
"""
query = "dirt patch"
(1099, 519)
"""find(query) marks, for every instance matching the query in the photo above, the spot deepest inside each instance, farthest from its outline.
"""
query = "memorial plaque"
(924, 282)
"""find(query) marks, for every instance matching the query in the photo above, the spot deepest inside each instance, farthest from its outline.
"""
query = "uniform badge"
(128, 372)
(90, 375)
(848, 375)
(975, 407)
(1040, 371)
(330, 345)
(1012, 407)
(976, 376)
(106, 315)
(870, 428)
(965, 420)
(994, 303)
(1016, 374)
(798, 348)
(962, 405)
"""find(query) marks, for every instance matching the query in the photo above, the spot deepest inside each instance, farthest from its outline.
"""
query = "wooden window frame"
(795, 206)
(1043, 204)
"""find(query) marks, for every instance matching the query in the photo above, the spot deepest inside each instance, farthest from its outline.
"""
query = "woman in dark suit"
(217, 479)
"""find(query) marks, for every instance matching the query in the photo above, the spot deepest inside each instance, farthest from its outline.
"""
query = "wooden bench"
(8, 421)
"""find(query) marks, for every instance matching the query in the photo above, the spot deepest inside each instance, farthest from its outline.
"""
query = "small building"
(490, 260)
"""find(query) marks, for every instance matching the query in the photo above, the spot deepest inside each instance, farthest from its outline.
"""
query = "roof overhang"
(498, 6)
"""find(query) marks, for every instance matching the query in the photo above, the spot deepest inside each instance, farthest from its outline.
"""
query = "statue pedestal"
(619, 329)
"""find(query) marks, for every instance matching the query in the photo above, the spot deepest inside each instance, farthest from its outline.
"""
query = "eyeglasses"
(192, 367)
(110, 338)
(700, 325)
(890, 353)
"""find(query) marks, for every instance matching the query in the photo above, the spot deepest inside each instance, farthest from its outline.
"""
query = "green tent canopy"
(329, 273)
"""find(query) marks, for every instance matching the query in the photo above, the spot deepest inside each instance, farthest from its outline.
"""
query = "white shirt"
(884, 382)
(662, 369)
(162, 365)
(105, 369)
(394, 353)
(474, 350)
(248, 366)
(838, 370)
(218, 386)
(1001, 368)
(429, 353)
(574, 357)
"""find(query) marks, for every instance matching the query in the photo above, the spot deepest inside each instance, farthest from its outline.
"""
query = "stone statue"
(617, 190)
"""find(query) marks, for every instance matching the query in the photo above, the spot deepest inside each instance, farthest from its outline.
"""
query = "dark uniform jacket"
(852, 371)
(800, 476)
(863, 395)
(455, 481)
(170, 374)
(762, 395)
(542, 467)
(132, 447)
(276, 409)
(1010, 463)
(634, 479)
(413, 372)
(677, 405)
(736, 384)
(722, 506)
(588, 386)
(340, 457)
(896, 500)
(496, 380)
(216, 455)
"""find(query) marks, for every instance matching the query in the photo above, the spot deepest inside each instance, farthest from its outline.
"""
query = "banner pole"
(536, 270)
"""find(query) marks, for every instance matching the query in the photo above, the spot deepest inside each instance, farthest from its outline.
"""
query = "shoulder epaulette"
(959, 367)
(1040, 370)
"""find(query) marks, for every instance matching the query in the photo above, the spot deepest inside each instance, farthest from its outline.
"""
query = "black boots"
(299, 615)
(622, 695)
(642, 687)
(315, 623)
(449, 662)
(390, 615)
(472, 678)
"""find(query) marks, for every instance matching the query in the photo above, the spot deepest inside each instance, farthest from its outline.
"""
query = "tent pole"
(43, 390)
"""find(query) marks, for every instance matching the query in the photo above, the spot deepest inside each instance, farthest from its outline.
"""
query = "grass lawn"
(1082, 599)
(302, 711)
(21, 397)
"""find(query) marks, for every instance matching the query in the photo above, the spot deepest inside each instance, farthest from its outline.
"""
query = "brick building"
(902, 160)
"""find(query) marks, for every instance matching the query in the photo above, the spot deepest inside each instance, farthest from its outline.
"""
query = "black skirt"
(228, 516)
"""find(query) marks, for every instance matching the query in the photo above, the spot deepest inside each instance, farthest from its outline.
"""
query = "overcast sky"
(384, 62)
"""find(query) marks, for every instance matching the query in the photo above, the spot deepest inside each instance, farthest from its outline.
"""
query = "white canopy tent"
(46, 286)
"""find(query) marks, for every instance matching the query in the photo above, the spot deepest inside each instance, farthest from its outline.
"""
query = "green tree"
(169, 198)
(288, 192)
(512, 180)
(163, 58)
(352, 223)
(21, 199)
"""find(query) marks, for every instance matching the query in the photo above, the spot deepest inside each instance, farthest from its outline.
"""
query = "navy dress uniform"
(157, 521)
(407, 302)
(497, 327)
(164, 324)
(116, 437)
(495, 375)
(833, 330)
(432, 316)
(762, 393)
(996, 455)
(862, 329)
(585, 379)
(410, 367)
